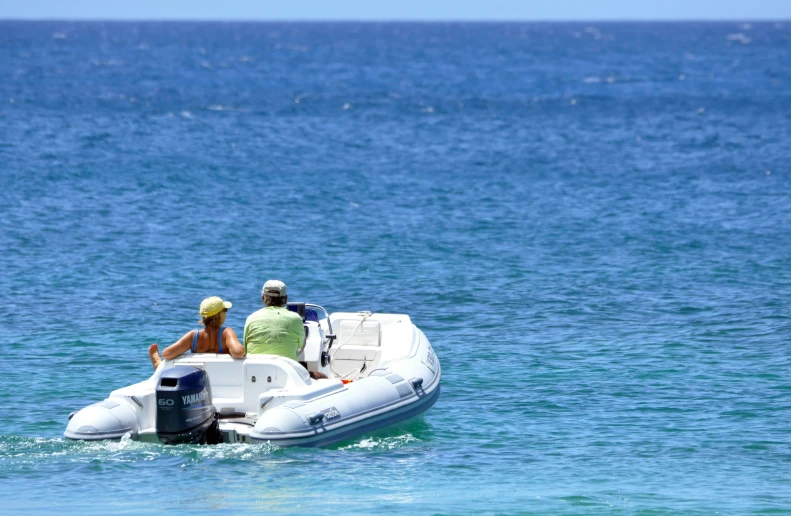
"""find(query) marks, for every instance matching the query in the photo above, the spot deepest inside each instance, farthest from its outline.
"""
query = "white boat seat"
(225, 377)
(349, 352)
(358, 346)
(354, 333)
(237, 384)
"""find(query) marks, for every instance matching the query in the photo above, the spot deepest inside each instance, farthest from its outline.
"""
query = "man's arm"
(235, 347)
(298, 328)
(245, 333)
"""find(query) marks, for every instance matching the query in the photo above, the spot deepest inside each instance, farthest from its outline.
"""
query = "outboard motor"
(185, 413)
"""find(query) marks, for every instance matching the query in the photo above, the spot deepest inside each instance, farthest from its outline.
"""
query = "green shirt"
(274, 330)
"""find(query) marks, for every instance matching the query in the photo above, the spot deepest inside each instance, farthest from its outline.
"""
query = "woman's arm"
(179, 347)
(230, 341)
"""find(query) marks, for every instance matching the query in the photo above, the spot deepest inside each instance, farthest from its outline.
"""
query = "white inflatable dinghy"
(381, 369)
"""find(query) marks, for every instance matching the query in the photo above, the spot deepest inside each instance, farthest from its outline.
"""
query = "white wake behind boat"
(381, 369)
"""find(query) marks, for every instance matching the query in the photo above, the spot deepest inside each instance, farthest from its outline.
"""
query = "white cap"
(274, 288)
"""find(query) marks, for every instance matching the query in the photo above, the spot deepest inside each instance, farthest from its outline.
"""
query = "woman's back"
(210, 340)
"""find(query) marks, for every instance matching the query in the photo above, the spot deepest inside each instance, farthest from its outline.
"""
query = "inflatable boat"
(381, 370)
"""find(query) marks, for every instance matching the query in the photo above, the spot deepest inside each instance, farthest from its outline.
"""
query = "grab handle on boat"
(330, 338)
(315, 418)
(416, 382)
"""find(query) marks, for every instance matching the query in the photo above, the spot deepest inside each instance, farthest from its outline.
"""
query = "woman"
(213, 338)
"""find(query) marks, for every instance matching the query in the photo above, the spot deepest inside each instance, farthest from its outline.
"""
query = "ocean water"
(590, 222)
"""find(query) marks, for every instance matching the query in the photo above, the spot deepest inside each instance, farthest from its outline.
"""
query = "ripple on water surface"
(590, 222)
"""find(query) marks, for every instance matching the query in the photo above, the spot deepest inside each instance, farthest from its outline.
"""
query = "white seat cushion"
(355, 334)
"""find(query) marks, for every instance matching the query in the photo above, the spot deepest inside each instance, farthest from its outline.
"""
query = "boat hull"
(323, 436)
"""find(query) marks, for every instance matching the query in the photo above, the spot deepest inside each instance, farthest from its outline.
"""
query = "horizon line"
(403, 20)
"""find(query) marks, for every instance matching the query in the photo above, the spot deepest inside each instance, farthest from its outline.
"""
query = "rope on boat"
(364, 314)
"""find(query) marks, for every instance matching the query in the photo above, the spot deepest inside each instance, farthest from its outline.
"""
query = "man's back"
(274, 330)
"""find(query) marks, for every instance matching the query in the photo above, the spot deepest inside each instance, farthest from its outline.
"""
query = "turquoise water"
(590, 222)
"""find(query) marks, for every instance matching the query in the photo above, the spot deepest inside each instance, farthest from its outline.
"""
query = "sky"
(370, 10)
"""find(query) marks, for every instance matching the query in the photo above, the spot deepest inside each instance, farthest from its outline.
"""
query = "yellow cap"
(212, 306)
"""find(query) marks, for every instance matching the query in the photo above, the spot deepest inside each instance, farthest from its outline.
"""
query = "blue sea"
(591, 222)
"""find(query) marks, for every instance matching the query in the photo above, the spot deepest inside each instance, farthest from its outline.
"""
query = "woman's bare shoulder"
(189, 334)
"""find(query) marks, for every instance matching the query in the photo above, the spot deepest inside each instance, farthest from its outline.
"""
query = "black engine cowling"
(185, 413)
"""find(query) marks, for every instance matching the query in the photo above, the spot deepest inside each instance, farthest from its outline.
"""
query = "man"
(274, 329)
